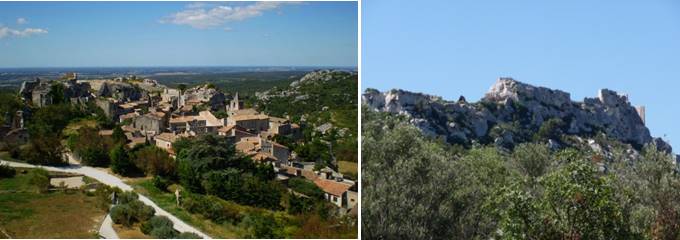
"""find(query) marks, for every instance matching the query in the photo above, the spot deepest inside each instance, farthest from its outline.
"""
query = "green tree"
(155, 161)
(120, 161)
(206, 154)
(57, 93)
(92, 149)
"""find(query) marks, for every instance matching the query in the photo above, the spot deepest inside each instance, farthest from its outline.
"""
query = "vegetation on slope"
(443, 191)
(329, 98)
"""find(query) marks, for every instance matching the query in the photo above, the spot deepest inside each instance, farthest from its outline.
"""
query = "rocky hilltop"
(512, 112)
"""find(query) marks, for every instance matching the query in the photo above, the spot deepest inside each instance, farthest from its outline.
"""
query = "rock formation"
(511, 102)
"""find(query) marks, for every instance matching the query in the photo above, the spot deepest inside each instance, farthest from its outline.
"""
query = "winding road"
(113, 181)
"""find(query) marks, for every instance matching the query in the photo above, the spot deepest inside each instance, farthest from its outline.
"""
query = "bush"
(127, 197)
(155, 222)
(305, 187)
(193, 204)
(141, 211)
(40, 178)
(212, 209)
(122, 214)
(163, 232)
(188, 235)
(6, 171)
(551, 129)
(160, 183)
(262, 225)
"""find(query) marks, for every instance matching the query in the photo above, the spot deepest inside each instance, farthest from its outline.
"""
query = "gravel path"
(114, 181)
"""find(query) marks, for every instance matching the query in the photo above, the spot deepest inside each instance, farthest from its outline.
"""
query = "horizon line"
(178, 66)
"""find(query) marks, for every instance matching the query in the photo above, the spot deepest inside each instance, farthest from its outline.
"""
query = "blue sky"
(76, 34)
(453, 48)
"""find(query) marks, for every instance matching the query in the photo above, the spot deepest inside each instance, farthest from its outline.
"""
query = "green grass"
(166, 201)
(4, 155)
(29, 214)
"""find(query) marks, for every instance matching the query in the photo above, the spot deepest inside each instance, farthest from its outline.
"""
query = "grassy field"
(29, 214)
(166, 201)
(349, 168)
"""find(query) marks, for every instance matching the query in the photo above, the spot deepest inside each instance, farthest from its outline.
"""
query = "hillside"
(512, 112)
(326, 103)
(524, 162)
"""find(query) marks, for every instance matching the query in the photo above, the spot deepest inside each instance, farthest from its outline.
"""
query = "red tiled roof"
(332, 187)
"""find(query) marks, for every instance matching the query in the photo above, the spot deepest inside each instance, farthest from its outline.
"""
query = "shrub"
(127, 197)
(141, 211)
(160, 183)
(214, 211)
(163, 232)
(193, 204)
(6, 171)
(155, 222)
(188, 235)
(262, 225)
(305, 187)
(40, 178)
(122, 214)
(551, 129)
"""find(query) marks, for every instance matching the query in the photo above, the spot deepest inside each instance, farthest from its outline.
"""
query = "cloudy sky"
(43, 34)
(453, 48)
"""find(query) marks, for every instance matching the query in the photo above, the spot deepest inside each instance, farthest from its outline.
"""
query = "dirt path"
(114, 181)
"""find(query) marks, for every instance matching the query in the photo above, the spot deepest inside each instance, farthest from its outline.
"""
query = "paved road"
(106, 230)
(114, 181)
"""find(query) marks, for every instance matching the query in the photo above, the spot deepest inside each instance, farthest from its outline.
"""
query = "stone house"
(279, 126)
(335, 191)
(253, 122)
(151, 123)
(263, 149)
(235, 131)
(166, 139)
(203, 123)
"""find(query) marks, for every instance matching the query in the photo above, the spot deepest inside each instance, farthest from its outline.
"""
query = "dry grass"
(130, 232)
(350, 168)
(28, 214)
(72, 128)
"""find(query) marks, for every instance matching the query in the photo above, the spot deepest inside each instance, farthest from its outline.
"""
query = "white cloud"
(227, 29)
(21, 21)
(26, 32)
(203, 18)
(196, 5)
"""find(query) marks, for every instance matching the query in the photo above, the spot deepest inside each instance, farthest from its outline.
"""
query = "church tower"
(235, 103)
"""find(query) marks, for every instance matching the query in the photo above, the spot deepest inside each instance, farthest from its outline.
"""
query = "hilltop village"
(136, 127)
(151, 112)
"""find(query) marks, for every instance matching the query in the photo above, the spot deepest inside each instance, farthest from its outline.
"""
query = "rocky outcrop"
(510, 107)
